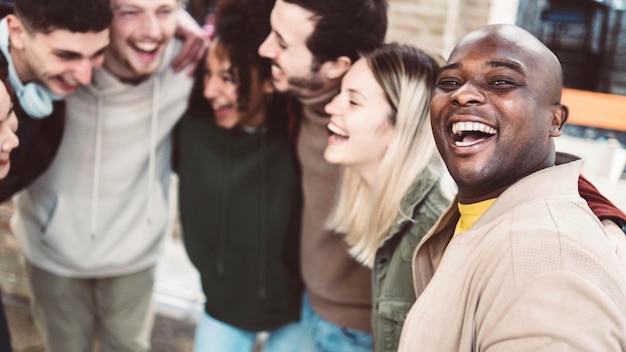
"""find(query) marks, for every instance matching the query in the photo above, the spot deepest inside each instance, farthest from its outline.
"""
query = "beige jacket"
(535, 273)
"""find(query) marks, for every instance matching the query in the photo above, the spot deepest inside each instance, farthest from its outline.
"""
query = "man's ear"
(16, 32)
(336, 69)
(560, 114)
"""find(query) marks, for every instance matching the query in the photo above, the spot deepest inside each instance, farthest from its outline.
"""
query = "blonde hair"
(365, 213)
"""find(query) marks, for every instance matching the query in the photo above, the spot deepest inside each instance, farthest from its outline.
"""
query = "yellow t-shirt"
(470, 214)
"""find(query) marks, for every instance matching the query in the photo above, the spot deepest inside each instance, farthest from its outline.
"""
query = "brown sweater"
(340, 289)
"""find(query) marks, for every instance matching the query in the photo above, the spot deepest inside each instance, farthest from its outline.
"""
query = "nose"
(210, 88)
(334, 107)
(268, 47)
(468, 93)
(83, 72)
(150, 26)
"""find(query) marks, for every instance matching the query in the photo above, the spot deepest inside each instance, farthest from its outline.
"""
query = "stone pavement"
(169, 334)
(178, 299)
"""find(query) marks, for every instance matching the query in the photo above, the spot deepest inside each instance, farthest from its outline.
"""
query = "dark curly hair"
(240, 27)
(80, 16)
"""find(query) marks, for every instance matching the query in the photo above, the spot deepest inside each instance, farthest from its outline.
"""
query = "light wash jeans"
(320, 335)
(213, 335)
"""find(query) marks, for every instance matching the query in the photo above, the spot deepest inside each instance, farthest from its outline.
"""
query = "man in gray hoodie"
(92, 226)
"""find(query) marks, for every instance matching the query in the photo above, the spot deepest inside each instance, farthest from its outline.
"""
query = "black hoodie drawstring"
(263, 226)
(226, 165)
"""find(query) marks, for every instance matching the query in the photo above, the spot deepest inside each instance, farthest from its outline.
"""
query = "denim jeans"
(320, 335)
(214, 335)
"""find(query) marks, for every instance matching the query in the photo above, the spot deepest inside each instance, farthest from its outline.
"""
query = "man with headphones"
(92, 225)
(49, 49)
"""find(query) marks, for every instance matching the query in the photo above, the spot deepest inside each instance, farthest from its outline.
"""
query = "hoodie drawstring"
(263, 226)
(95, 193)
(97, 163)
(153, 137)
(226, 165)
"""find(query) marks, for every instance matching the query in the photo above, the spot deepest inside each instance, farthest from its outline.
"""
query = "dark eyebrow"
(451, 66)
(101, 51)
(68, 54)
(496, 63)
(509, 64)
(74, 55)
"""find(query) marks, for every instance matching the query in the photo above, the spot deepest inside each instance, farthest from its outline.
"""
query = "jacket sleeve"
(603, 208)
(39, 142)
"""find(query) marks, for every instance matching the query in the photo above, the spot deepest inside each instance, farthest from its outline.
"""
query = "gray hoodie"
(102, 209)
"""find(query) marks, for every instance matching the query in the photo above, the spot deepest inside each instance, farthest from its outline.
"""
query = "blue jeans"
(214, 335)
(320, 335)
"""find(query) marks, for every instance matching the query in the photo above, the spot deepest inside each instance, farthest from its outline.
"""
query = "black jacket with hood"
(240, 212)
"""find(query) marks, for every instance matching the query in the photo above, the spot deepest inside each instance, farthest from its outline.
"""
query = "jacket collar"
(415, 196)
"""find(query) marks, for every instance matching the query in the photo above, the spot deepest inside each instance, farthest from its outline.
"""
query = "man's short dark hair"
(79, 16)
(345, 27)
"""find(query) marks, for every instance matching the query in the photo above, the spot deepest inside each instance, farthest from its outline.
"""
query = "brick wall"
(437, 25)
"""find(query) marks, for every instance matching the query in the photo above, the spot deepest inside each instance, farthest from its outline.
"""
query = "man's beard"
(309, 83)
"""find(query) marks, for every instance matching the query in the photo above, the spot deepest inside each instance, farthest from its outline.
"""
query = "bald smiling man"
(521, 262)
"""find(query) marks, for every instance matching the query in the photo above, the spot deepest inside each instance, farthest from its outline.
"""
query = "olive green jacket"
(393, 293)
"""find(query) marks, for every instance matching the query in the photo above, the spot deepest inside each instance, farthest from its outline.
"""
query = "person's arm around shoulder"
(195, 43)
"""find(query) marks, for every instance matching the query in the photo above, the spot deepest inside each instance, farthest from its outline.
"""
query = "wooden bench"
(593, 109)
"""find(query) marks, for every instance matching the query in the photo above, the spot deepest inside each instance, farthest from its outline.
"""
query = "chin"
(281, 86)
(145, 69)
(225, 125)
(57, 89)
(4, 171)
(330, 157)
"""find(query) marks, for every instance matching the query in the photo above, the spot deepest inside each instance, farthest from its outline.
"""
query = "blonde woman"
(390, 191)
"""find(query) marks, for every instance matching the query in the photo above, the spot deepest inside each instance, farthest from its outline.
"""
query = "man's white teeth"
(463, 144)
(276, 69)
(146, 46)
(461, 127)
(336, 130)
(69, 81)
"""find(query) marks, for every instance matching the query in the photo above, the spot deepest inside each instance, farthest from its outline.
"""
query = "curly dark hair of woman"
(240, 27)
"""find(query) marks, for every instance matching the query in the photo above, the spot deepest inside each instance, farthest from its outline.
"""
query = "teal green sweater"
(240, 214)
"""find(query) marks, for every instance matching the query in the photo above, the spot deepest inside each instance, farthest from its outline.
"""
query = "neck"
(257, 119)
(368, 172)
(315, 104)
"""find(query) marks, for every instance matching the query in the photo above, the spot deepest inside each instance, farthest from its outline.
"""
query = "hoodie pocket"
(128, 230)
(63, 231)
